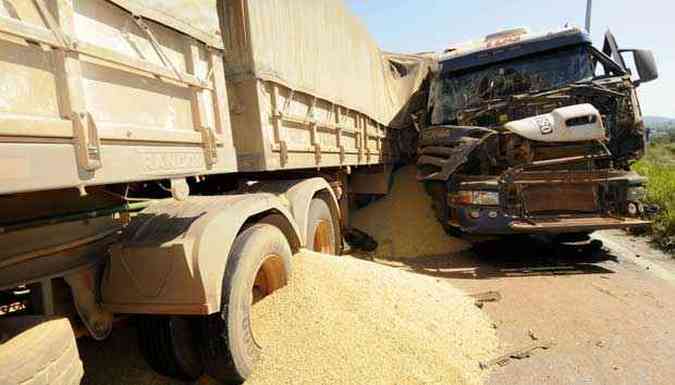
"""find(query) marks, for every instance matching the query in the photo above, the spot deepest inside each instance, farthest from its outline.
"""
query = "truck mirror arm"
(607, 62)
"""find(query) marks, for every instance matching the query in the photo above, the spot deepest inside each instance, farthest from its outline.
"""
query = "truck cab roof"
(506, 45)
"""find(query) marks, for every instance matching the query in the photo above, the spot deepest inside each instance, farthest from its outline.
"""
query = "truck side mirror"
(643, 59)
(645, 65)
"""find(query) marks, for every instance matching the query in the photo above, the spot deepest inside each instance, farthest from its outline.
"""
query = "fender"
(297, 195)
(173, 257)
(300, 196)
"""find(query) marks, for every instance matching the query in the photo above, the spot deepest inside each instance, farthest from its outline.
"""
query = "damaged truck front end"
(534, 135)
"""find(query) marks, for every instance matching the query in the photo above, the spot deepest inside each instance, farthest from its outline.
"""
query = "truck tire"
(321, 228)
(168, 345)
(259, 263)
(38, 350)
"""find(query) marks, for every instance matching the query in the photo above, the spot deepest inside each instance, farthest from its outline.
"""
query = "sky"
(424, 25)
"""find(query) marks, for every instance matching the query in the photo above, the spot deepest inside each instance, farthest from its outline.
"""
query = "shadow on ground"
(518, 257)
(118, 360)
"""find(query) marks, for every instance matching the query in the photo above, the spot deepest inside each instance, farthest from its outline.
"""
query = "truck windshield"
(453, 92)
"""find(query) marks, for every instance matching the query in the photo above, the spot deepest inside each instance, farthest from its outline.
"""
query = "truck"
(161, 161)
(534, 133)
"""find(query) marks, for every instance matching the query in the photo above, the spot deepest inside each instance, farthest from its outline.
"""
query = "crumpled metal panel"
(443, 149)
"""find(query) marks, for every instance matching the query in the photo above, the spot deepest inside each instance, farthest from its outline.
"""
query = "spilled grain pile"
(403, 222)
(346, 321)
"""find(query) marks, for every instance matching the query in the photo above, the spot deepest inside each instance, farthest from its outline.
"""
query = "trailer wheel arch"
(300, 197)
(280, 221)
(190, 259)
(213, 259)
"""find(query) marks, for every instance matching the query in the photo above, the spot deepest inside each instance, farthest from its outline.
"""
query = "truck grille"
(556, 198)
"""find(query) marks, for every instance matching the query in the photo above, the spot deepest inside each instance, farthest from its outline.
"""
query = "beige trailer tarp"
(197, 18)
(320, 48)
(317, 47)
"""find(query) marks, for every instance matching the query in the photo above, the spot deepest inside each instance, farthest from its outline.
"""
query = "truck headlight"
(636, 194)
(476, 197)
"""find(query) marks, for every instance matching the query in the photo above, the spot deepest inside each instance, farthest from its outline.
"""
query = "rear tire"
(168, 344)
(259, 263)
(38, 350)
(322, 236)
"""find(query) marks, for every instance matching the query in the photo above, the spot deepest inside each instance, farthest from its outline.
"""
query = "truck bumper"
(563, 225)
(550, 202)
(491, 221)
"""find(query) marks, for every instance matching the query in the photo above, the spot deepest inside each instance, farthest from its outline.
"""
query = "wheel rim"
(271, 276)
(322, 238)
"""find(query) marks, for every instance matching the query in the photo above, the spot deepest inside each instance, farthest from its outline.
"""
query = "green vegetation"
(659, 166)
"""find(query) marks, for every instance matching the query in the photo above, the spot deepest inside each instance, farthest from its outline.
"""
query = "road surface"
(610, 314)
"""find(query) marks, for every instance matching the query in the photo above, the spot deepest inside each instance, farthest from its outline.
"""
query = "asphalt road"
(610, 314)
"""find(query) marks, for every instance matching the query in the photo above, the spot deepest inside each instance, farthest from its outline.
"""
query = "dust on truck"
(165, 160)
(535, 133)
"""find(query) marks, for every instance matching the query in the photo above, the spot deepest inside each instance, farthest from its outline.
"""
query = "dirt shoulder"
(611, 318)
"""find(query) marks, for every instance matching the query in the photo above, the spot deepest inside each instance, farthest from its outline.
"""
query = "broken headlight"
(476, 197)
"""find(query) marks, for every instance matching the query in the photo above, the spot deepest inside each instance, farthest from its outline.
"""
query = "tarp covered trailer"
(128, 90)
(261, 108)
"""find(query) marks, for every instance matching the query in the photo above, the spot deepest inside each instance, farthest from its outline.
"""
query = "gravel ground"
(346, 321)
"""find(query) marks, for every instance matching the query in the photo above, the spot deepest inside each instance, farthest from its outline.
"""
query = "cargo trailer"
(164, 160)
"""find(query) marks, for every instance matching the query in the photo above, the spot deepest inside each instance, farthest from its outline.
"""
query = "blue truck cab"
(535, 133)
